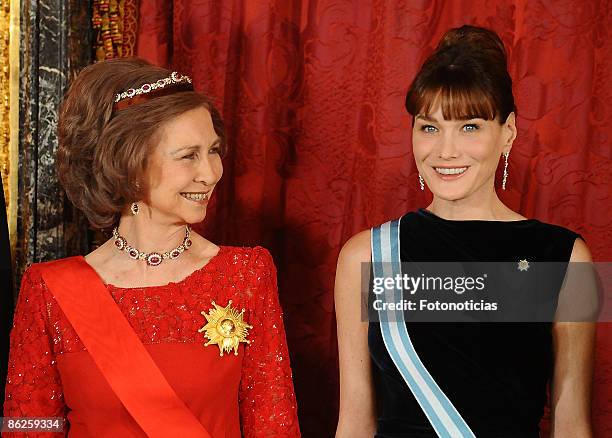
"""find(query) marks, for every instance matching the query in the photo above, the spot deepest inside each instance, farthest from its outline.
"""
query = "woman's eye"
(214, 150)
(471, 127)
(428, 129)
(191, 156)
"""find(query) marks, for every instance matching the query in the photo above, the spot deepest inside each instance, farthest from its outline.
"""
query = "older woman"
(158, 332)
(401, 378)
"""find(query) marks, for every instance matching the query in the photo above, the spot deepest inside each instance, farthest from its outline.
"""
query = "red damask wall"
(312, 94)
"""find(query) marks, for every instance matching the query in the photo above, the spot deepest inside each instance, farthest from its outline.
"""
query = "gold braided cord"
(14, 53)
(114, 23)
(5, 22)
(9, 107)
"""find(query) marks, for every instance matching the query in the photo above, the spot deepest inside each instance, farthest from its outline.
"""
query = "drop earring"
(421, 182)
(134, 208)
(505, 177)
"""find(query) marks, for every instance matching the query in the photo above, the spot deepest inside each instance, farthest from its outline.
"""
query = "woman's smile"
(450, 173)
(199, 197)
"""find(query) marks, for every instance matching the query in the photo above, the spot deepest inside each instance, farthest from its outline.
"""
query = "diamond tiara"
(174, 79)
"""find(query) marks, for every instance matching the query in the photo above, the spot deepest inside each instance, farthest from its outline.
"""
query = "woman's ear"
(510, 131)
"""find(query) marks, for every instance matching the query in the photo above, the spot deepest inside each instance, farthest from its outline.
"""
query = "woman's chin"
(450, 193)
(194, 218)
(197, 219)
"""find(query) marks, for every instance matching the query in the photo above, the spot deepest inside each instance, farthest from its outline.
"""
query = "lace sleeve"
(33, 387)
(267, 400)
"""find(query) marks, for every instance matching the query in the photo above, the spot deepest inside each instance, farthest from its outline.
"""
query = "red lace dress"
(250, 395)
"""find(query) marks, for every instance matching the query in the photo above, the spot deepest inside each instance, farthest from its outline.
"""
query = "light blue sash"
(441, 413)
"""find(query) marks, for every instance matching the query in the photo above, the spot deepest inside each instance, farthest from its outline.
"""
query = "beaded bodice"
(167, 314)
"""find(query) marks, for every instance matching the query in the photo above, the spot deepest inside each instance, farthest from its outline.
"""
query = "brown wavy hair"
(467, 75)
(103, 152)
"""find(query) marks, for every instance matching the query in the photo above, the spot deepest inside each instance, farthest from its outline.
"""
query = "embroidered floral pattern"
(165, 314)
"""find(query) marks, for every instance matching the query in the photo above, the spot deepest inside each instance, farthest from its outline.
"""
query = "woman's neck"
(485, 208)
(148, 235)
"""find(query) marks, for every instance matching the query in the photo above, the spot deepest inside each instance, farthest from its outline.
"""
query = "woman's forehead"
(193, 125)
(457, 104)
(436, 115)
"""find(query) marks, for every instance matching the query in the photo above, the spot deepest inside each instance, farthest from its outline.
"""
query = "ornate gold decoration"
(9, 113)
(5, 20)
(523, 265)
(225, 327)
(115, 23)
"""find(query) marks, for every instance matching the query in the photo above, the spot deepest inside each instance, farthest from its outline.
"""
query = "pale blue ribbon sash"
(443, 416)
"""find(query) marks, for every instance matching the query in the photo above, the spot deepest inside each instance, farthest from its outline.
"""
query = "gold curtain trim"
(5, 21)
(114, 23)
(14, 39)
(9, 120)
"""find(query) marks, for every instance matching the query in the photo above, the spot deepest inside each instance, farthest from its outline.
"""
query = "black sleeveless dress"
(495, 374)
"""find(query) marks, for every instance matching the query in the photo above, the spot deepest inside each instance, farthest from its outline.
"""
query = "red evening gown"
(251, 395)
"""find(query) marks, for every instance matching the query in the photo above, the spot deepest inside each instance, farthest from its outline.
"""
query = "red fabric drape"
(312, 94)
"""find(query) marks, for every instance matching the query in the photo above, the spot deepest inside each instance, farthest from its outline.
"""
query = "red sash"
(117, 351)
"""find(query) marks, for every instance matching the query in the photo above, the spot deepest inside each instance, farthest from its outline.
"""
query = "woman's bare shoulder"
(580, 252)
(357, 248)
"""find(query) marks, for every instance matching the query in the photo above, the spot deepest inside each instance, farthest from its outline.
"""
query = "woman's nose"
(447, 147)
(209, 172)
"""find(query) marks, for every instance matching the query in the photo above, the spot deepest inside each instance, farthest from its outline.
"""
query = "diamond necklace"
(152, 258)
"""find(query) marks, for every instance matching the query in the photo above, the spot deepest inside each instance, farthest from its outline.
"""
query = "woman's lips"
(450, 173)
(199, 198)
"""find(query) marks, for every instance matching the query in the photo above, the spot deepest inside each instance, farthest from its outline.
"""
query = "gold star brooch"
(523, 265)
(225, 327)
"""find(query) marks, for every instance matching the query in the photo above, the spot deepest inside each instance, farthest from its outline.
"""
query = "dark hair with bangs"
(467, 75)
(103, 153)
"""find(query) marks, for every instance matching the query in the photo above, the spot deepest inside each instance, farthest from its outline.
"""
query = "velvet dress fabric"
(494, 373)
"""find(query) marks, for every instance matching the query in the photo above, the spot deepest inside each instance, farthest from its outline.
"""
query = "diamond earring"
(421, 182)
(506, 154)
(134, 208)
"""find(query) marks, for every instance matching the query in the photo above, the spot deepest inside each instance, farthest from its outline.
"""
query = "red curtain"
(312, 95)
